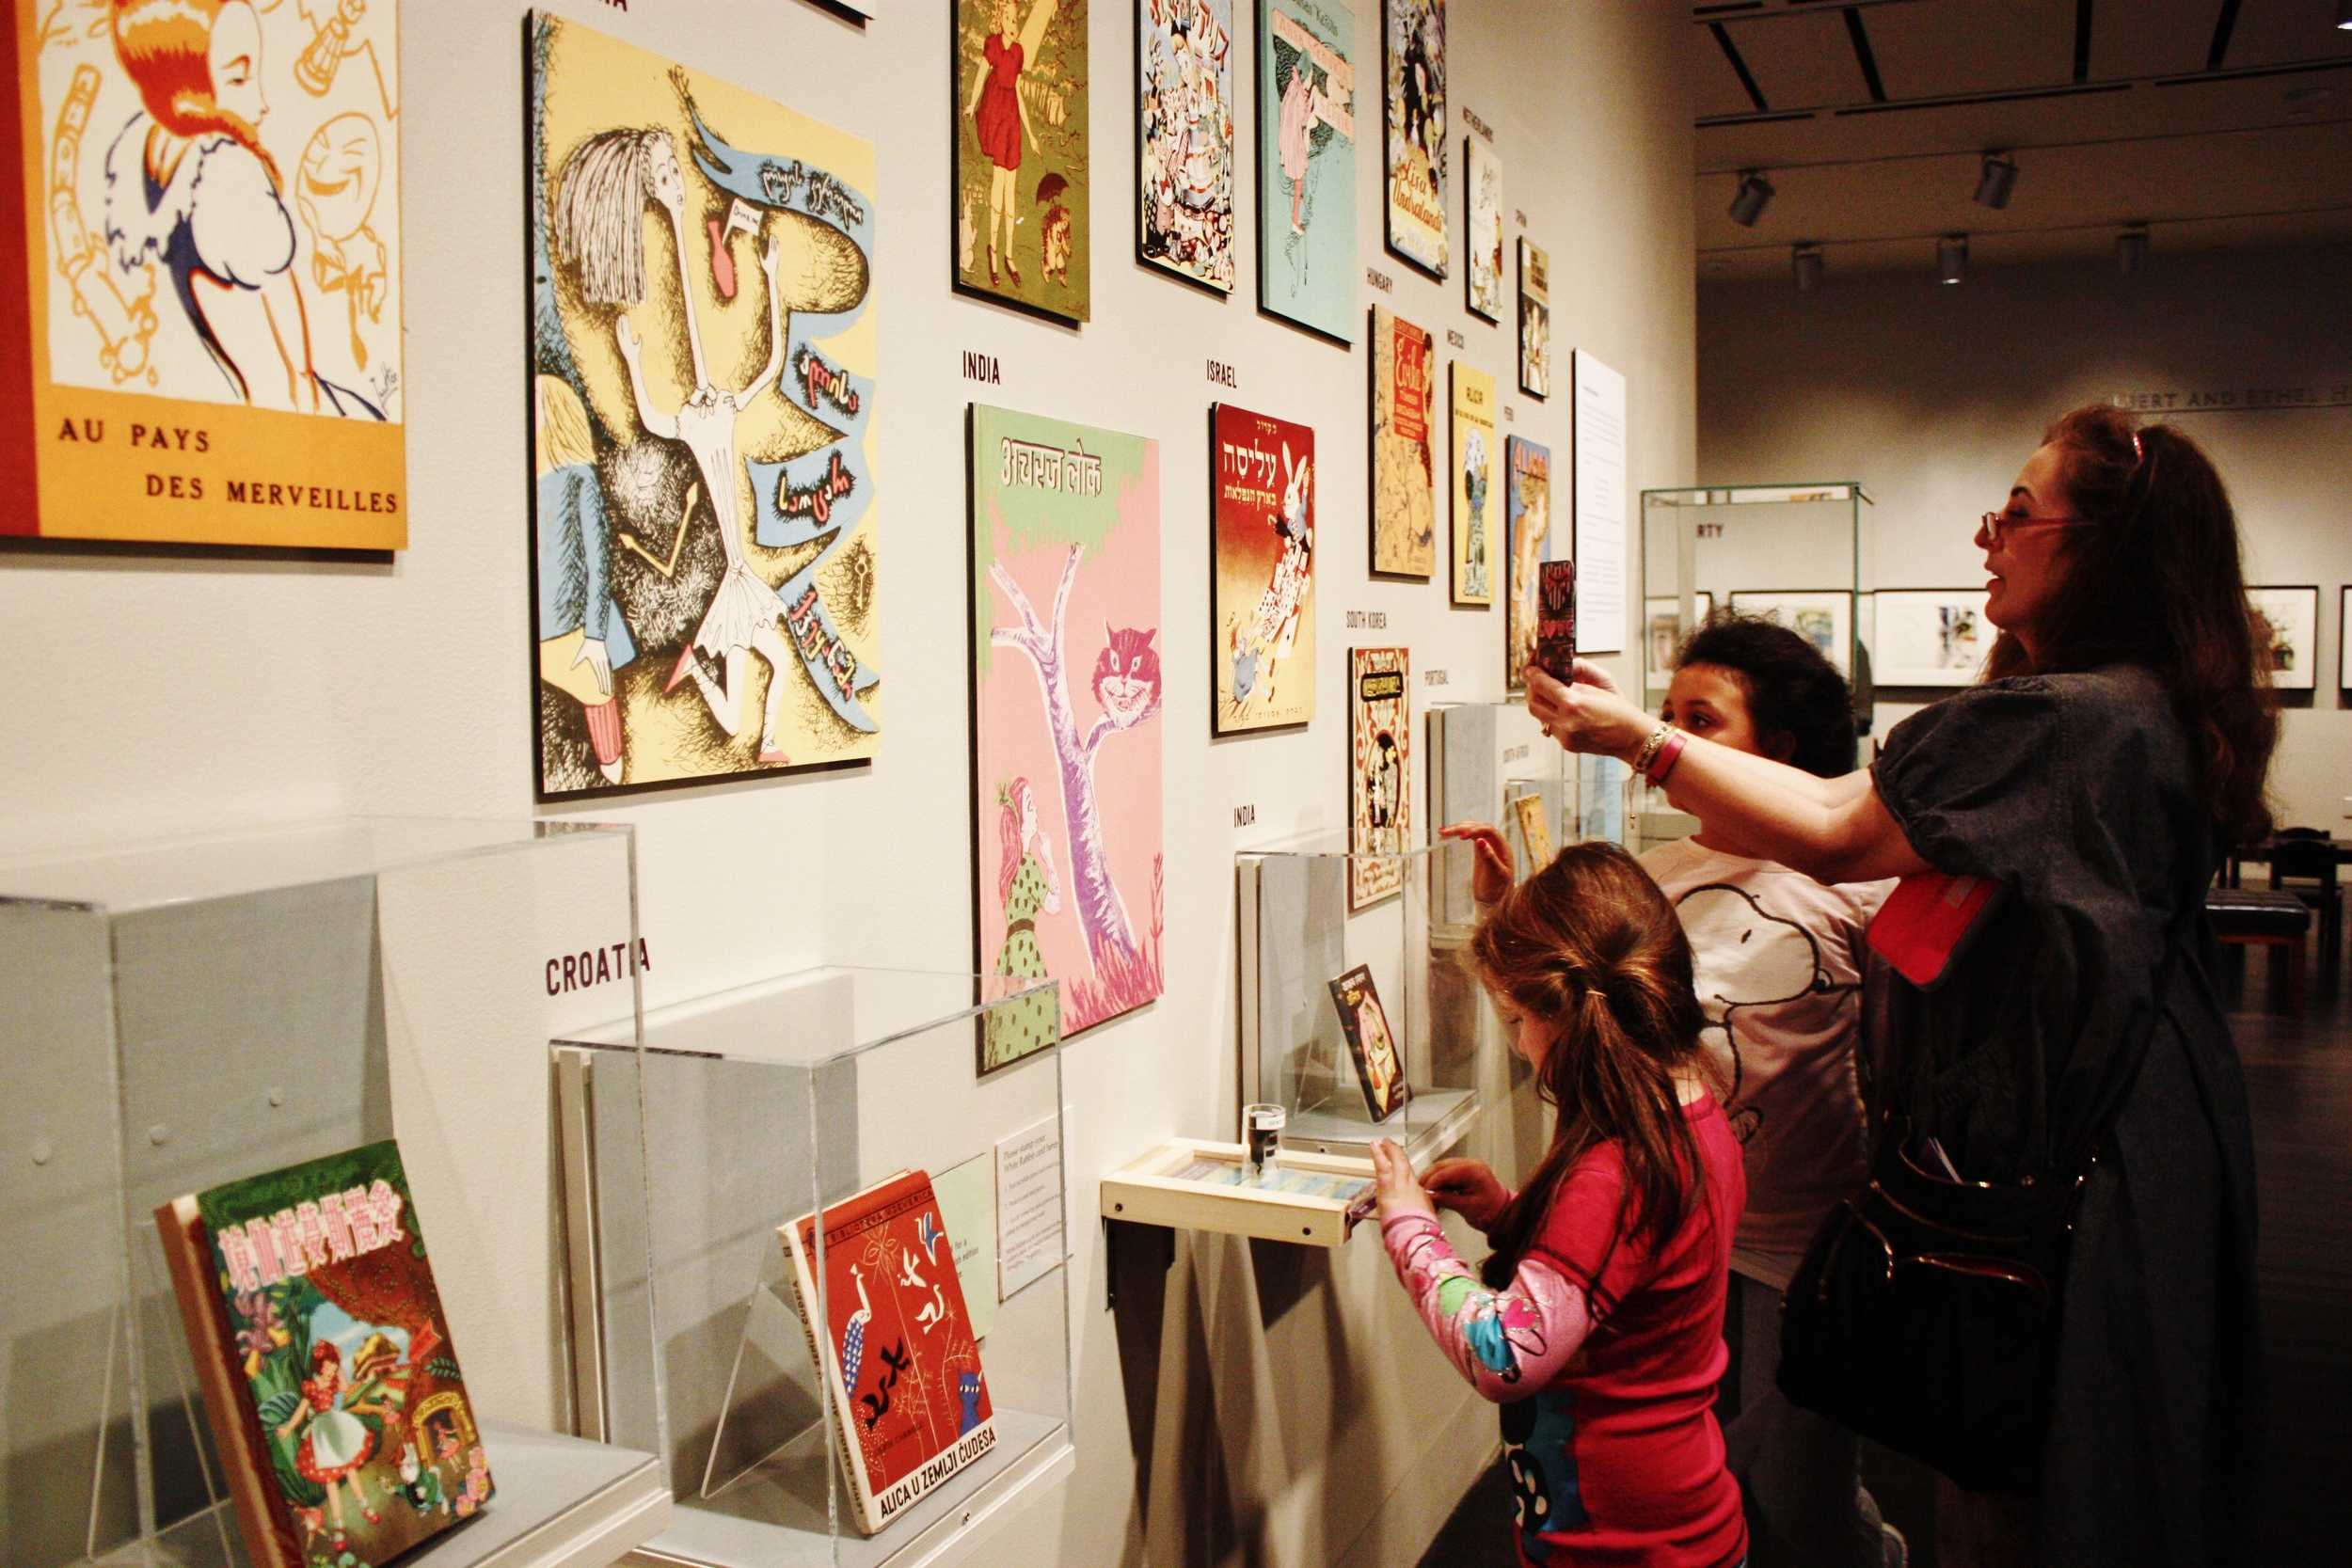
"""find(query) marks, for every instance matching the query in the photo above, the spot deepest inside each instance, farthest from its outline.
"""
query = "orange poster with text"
(200, 217)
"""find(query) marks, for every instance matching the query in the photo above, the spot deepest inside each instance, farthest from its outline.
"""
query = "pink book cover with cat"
(1066, 691)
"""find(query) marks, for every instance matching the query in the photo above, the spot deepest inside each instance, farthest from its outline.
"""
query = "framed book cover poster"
(1379, 1065)
(1184, 139)
(1662, 630)
(896, 1351)
(1526, 528)
(333, 1391)
(1261, 570)
(1022, 227)
(203, 283)
(2286, 636)
(1929, 636)
(1482, 247)
(1412, 60)
(1403, 448)
(1379, 772)
(1823, 617)
(2343, 640)
(1307, 165)
(1535, 829)
(1534, 318)
(1066, 733)
(1474, 488)
(705, 532)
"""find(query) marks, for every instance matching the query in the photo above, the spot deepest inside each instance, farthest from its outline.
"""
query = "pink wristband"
(1663, 763)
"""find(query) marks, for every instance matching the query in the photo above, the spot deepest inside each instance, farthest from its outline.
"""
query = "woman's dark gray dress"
(2078, 793)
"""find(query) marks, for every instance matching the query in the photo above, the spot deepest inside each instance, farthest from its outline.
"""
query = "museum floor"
(2298, 1074)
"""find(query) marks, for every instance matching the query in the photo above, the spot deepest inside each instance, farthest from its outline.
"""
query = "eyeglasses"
(1994, 522)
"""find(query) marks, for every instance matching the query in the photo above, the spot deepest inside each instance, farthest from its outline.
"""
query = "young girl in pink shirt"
(1597, 1322)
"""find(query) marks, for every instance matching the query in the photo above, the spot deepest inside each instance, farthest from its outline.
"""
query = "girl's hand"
(1490, 873)
(1393, 1181)
(1588, 715)
(1469, 1188)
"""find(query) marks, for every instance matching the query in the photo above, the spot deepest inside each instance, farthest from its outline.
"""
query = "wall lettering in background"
(1518, 752)
(982, 368)
(1246, 817)
(1510, 415)
(617, 5)
(1221, 375)
(2234, 400)
(1470, 117)
(1710, 531)
(1380, 280)
(1436, 678)
(594, 966)
(1456, 338)
(1367, 620)
(1520, 214)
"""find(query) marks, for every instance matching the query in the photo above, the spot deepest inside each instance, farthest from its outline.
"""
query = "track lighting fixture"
(1951, 257)
(2131, 246)
(1995, 180)
(1753, 195)
(1807, 261)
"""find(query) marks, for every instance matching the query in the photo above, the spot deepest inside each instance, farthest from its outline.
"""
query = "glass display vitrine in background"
(186, 1014)
(1305, 956)
(1484, 759)
(744, 1112)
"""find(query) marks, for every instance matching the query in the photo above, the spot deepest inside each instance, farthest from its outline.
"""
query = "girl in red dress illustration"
(337, 1443)
(1000, 119)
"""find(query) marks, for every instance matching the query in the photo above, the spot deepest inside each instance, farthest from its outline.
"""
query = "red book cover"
(910, 1401)
(1555, 619)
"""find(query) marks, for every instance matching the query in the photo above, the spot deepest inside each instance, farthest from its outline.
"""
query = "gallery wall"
(1933, 397)
(164, 694)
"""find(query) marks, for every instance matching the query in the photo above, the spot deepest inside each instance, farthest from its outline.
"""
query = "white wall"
(1933, 397)
(157, 695)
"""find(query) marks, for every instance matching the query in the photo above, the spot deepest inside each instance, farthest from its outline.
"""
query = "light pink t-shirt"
(1779, 974)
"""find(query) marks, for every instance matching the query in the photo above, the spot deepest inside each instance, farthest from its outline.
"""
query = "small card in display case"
(1378, 1068)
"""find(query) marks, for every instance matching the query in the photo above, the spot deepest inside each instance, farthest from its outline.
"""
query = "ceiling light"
(1806, 260)
(2343, 15)
(1749, 202)
(2131, 246)
(1995, 180)
(1951, 257)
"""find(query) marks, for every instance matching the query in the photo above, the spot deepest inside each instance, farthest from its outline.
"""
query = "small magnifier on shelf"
(1262, 1133)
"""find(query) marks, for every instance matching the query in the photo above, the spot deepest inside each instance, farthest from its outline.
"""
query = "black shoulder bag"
(1925, 1314)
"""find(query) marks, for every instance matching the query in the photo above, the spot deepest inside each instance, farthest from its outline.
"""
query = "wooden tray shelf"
(1190, 1185)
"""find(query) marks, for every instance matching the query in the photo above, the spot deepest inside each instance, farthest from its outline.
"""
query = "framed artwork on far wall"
(1262, 572)
(1184, 139)
(1475, 490)
(1822, 616)
(1527, 544)
(1929, 636)
(1307, 109)
(1022, 221)
(1379, 773)
(1534, 318)
(2286, 635)
(1403, 448)
(1412, 65)
(1662, 630)
(2343, 644)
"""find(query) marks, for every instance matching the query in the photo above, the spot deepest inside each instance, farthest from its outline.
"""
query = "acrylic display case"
(1299, 945)
(184, 1014)
(742, 1112)
(1484, 759)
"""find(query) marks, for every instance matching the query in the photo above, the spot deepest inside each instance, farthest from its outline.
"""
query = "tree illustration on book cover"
(1306, 164)
(330, 1331)
(1023, 221)
(1379, 773)
(1066, 734)
(1261, 570)
(703, 425)
(1404, 455)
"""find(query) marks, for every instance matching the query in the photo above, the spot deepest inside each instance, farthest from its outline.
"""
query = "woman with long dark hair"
(1598, 1323)
(2118, 745)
